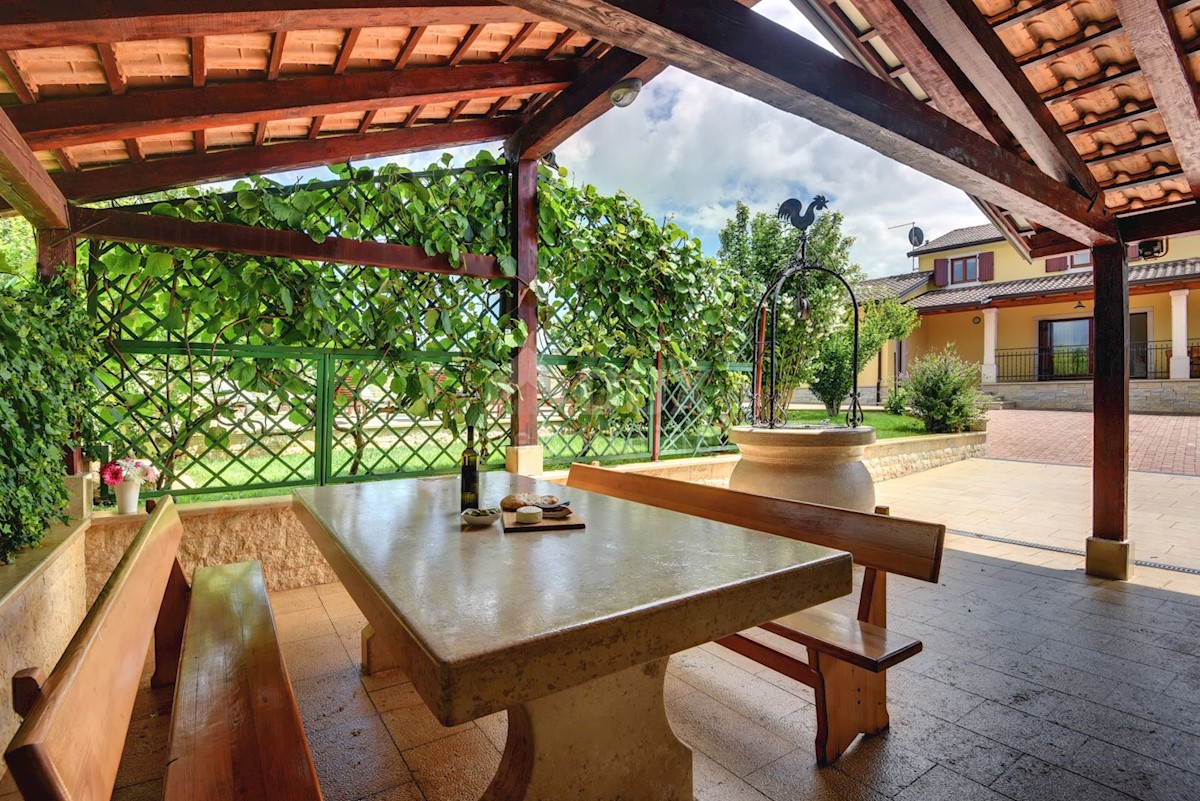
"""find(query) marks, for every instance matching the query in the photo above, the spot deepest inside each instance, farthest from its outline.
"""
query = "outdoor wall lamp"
(625, 91)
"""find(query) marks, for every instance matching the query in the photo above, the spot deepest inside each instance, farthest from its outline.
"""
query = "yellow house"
(1029, 324)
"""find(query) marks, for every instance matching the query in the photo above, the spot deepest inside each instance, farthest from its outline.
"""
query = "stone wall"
(219, 533)
(888, 458)
(42, 603)
(1145, 397)
(893, 458)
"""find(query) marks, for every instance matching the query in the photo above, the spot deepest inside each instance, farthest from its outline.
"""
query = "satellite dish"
(915, 236)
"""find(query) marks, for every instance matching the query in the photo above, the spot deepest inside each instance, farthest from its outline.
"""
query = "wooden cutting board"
(569, 523)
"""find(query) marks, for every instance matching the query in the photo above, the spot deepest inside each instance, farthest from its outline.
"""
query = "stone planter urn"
(813, 464)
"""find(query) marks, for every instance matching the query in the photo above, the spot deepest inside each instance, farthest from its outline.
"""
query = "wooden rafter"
(511, 48)
(457, 111)
(24, 92)
(410, 47)
(199, 65)
(112, 70)
(559, 43)
(25, 185)
(275, 62)
(124, 226)
(934, 70)
(199, 141)
(189, 170)
(986, 62)
(413, 116)
(724, 42)
(65, 123)
(343, 59)
(1151, 31)
(55, 23)
(466, 44)
(314, 129)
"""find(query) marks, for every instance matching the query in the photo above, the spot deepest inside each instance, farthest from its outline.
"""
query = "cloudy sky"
(692, 149)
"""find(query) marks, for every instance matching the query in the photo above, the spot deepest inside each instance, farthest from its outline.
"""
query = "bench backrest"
(69, 746)
(894, 545)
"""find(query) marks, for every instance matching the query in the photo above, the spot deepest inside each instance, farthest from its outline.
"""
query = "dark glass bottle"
(470, 474)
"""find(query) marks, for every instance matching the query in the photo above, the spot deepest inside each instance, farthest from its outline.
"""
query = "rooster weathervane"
(775, 414)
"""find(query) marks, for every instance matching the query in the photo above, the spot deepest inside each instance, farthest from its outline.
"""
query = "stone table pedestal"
(813, 464)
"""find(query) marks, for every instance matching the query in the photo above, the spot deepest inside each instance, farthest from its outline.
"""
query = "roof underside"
(1129, 124)
(231, 91)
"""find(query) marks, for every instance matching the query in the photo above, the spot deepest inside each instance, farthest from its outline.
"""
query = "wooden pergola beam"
(25, 184)
(976, 48)
(727, 43)
(150, 229)
(575, 107)
(86, 120)
(1149, 25)
(937, 74)
(188, 170)
(55, 23)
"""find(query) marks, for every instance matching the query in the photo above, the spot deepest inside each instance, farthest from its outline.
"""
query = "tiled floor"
(1157, 442)
(1035, 683)
(1050, 504)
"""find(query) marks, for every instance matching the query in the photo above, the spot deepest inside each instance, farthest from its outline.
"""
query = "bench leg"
(605, 739)
(169, 627)
(850, 701)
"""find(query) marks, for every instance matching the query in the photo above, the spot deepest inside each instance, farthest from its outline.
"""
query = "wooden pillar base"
(1112, 559)
(606, 739)
(525, 460)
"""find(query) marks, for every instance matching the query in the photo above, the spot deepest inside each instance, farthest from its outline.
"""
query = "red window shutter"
(987, 266)
(1057, 264)
(1131, 252)
(941, 272)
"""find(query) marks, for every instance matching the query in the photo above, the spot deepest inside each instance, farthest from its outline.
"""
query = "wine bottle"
(470, 474)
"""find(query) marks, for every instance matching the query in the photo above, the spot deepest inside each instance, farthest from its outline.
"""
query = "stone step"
(1000, 404)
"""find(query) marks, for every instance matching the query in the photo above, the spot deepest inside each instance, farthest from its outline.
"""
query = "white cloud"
(692, 149)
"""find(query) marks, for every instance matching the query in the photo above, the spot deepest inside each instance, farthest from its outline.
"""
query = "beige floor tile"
(454, 768)
(303, 624)
(315, 656)
(286, 601)
(332, 699)
(415, 725)
(357, 759)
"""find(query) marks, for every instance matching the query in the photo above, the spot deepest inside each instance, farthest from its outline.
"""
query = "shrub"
(898, 399)
(46, 360)
(945, 392)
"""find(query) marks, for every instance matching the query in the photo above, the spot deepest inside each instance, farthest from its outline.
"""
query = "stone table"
(569, 631)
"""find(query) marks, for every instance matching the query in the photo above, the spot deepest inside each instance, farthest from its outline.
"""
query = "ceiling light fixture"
(625, 91)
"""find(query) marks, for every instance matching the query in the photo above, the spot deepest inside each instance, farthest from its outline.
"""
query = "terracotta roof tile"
(978, 295)
(960, 237)
(894, 286)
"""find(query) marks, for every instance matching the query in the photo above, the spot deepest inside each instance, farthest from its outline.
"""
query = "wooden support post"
(1109, 552)
(525, 455)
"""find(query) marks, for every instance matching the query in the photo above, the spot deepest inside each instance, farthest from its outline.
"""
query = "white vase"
(127, 497)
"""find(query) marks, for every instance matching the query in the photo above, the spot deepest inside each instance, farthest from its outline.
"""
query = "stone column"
(1180, 363)
(990, 320)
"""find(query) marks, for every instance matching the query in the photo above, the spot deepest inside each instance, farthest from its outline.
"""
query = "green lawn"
(887, 426)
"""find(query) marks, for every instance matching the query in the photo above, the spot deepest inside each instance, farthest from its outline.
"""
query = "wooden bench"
(235, 728)
(844, 659)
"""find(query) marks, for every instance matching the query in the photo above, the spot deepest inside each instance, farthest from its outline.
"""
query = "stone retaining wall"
(219, 533)
(888, 458)
(893, 458)
(1145, 397)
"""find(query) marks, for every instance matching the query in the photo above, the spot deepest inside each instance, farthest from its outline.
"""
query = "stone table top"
(486, 620)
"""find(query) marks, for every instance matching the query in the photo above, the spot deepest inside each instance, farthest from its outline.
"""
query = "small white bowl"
(479, 521)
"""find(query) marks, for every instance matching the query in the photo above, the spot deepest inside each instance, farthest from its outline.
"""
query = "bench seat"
(235, 727)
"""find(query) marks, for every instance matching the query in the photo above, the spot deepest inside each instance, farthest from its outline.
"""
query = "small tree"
(832, 378)
(758, 247)
(945, 392)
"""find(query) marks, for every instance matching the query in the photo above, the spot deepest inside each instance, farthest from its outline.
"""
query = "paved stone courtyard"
(1157, 443)
(1036, 683)
(1050, 504)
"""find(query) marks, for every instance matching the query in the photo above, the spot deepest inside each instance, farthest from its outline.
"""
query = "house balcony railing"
(1147, 360)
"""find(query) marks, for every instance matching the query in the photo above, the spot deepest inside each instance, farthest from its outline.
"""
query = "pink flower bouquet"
(137, 471)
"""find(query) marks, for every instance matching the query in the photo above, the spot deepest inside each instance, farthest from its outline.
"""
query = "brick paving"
(1157, 443)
